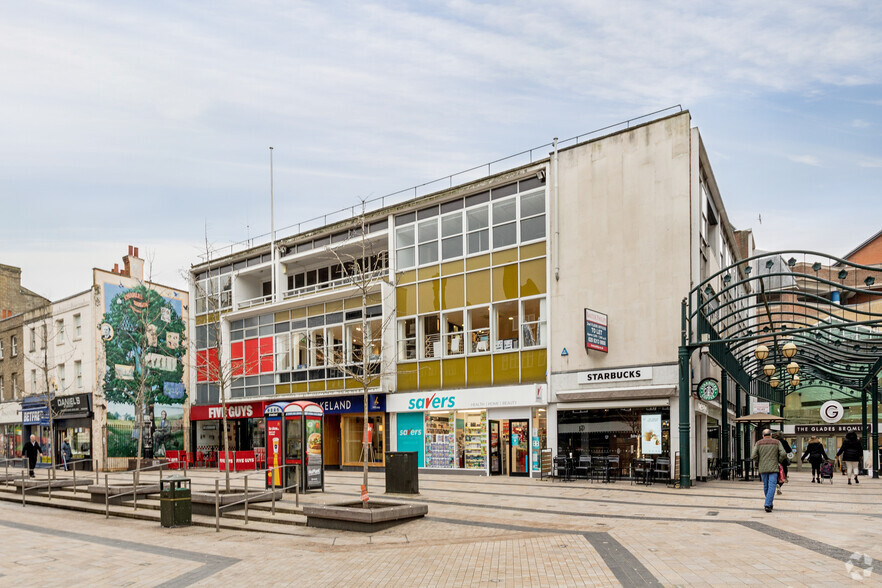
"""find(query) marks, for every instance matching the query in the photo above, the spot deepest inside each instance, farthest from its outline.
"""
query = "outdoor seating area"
(608, 469)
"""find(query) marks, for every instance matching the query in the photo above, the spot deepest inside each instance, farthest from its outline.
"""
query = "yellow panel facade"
(429, 294)
(452, 292)
(479, 370)
(534, 250)
(427, 273)
(281, 317)
(283, 388)
(334, 306)
(533, 366)
(299, 387)
(478, 287)
(505, 256)
(405, 300)
(316, 310)
(351, 303)
(506, 368)
(375, 298)
(335, 384)
(430, 375)
(477, 262)
(407, 377)
(298, 313)
(505, 282)
(453, 373)
(317, 386)
(407, 277)
(532, 277)
(451, 267)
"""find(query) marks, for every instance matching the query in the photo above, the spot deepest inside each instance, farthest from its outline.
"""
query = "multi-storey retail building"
(487, 294)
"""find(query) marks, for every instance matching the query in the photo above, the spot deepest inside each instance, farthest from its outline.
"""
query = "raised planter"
(203, 502)
(352, 516)
(42, 484)
(97, 492)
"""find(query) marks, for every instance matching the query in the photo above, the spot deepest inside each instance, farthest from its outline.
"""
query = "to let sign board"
(596, 324)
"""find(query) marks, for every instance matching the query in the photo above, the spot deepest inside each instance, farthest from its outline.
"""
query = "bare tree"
(366, 271)
(216, 367)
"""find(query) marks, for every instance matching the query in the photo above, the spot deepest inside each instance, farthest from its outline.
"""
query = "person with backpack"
(816, 456)
(769, 454)
(851, 451)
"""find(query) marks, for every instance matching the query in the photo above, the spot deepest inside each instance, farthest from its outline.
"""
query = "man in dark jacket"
(851, 451)
(30, 450)
(768, 453)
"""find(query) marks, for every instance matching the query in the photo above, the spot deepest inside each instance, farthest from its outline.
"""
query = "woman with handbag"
(851, 451)
(782, 476)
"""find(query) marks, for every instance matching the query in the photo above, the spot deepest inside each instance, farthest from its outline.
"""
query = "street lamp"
(789, 350)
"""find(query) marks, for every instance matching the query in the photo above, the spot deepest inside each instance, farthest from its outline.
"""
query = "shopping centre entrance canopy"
(777, 321)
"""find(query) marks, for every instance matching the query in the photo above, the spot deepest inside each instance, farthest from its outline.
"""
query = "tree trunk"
(226, 441)
(365, 378)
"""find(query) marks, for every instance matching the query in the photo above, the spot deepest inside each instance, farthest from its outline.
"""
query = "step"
(150, 512)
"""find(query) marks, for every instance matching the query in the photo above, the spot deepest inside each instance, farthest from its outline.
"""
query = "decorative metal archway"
(829, 308)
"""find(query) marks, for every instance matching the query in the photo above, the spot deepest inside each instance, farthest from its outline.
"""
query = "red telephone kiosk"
(294, 437)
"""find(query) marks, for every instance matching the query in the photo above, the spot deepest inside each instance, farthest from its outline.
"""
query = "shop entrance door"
(495, 453)
(519, 447)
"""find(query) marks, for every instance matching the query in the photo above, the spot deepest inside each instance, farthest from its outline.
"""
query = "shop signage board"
(814, 429)
(234, 411)
(617, 375)
(38, 416)
(832, 412)
(241, 460)
(708, 389)
(650, 434)
(761, 407)
(465, 399)
(73, 406)
(349, 404)
(596, 324)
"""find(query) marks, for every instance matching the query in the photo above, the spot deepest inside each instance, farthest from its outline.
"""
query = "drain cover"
(712, 513)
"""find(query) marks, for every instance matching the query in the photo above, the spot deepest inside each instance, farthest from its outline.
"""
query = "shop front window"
(431, 347)
(471, 437)
(353, 435)
(440, 431)
(506, 326)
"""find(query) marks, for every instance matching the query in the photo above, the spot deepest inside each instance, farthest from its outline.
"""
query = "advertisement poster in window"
(313, 452)
(650, 434)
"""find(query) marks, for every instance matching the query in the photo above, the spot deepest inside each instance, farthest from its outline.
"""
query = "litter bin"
(175, 508)
(402, 472)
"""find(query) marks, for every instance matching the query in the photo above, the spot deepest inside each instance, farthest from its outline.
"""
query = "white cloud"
(859, 123)
(805, 160)
(870, 163)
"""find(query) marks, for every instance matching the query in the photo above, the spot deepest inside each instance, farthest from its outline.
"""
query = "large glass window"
(407, 335)
(533, 326)
(533, 216)
(451, 235)
(353, 433)
(506, 326)
(505, 229)
(454, 327)
(428, 241)
(477, 223)
(283, 352)
(405, 252)
(300, 349)
(335, 344)
(317, 348)
(431, 347)
(479, 329)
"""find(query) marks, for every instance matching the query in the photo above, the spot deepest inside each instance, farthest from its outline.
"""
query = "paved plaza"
(483, 532)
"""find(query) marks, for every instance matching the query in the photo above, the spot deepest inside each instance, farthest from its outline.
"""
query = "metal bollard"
(216, 506)
(75, 478)
(273, 489)
(135, 491)
(246, 500)
(297, 485)
(96, 472)
(23, 481)
(106, 498)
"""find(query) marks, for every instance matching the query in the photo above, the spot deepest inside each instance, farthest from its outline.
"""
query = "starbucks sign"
(708, 389)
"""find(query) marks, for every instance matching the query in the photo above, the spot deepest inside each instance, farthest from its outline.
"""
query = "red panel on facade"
(251, 357)
(202, 366)
(236, 350)
(266, 346)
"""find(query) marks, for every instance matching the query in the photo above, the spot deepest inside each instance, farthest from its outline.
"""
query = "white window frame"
(78, 326)
(14, 345)
(59, 331)
(78, 374)
(460, 235)
(471, 329)
(448, 335)
(542, 323)
(402, 340)
(522, 218)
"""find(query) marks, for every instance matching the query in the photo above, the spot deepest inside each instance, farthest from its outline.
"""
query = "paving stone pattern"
(480, 532)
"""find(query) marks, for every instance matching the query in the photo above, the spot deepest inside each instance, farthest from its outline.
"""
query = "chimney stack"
(116, 268)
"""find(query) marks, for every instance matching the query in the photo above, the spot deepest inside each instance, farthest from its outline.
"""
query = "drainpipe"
(554, 196)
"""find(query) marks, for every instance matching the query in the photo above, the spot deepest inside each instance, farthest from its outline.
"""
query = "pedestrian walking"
(30, 450)
(779, 436)
(66, 453)
(769, 454)
(816, 456)
(851, 451)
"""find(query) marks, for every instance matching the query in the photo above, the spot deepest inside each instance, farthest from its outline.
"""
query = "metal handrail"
(392, 198)
(133, 491)
(330, 285)
(218, 508)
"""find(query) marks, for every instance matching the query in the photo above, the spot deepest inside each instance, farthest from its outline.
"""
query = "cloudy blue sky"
(145, 123)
